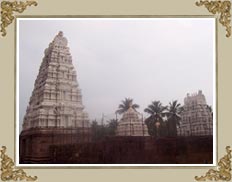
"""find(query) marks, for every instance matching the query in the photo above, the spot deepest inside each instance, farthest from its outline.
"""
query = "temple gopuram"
(55, 114)
(196, 119)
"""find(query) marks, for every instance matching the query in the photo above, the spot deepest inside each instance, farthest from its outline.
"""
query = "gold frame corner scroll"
(223, 171)
(8, 170)
(222, 8)
(7, 10)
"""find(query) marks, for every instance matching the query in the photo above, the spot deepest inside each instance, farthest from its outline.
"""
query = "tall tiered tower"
(55, 114)
(196, 119)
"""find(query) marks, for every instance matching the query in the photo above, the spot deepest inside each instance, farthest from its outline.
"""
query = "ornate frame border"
(7, 10)
(223, 170)
(8, 169)
(223, 9)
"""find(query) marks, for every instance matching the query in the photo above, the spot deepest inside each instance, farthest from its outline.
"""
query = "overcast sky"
(144, 59)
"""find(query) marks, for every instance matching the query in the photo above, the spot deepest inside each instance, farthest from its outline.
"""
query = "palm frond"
(124, 106)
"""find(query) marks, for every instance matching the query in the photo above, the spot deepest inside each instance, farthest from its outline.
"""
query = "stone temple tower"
(196, 119)
(55, 114)
(131, 125)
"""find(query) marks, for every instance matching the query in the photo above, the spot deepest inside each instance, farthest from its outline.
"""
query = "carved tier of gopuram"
(131, 124)
(55, 114)
(197, 117)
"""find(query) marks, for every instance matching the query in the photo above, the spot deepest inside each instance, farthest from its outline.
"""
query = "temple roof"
(130, 114)
(60, 39)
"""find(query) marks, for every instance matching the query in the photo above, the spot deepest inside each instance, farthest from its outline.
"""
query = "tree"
(174, 110)
(112, 127)
(126, 104)
(98, 131)
(155, 123)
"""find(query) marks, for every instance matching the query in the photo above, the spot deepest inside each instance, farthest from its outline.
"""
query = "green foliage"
(126, 105)
(153, 129)
(157, 126)
(156, 109)
(99, 132)
(174, 110)
(155, 123)
(111, 127)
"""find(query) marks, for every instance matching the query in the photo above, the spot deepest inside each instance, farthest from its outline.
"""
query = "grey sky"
(145, 59)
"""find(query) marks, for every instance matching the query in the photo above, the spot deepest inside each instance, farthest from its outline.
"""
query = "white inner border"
(111, 165)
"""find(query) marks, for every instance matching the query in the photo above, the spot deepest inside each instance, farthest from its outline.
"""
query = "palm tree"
(155, 122)
(126, 104)
(174, 110)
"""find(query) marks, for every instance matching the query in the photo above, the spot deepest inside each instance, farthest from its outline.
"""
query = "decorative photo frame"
(221, 11)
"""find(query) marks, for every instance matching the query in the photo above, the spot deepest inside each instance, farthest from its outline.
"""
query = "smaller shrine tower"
(196, 119)
(131, 124)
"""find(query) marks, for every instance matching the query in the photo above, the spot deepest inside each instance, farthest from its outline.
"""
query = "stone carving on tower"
(196, 119)
(55, 114)
(131, 124)
(56, 100)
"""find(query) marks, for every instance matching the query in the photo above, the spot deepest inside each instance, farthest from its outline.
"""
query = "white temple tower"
(55, 114)
(56, 100)
(131, 124)
(196, 118)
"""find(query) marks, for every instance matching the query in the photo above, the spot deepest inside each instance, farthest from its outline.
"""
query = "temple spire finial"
(60, 33)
